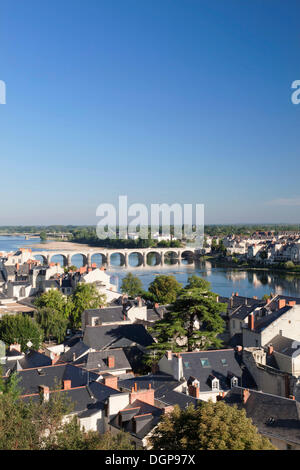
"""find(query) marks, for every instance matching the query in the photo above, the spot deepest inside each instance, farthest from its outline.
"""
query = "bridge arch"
(136, 259)
(79, 259)
(117, 258)
(58, 258)
(153, 258)
(188, 256)
(41, 258)
(99, 259)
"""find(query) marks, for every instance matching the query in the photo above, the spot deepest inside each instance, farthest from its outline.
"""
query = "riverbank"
(219, 263)
(61, 245)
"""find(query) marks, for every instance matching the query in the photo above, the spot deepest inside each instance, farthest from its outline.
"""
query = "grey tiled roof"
(192, 366)
(116, 336)
(274, 416)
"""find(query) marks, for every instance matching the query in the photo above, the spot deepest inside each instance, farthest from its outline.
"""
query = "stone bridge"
(160, 253)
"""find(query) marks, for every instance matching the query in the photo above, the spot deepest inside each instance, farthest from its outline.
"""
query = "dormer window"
(215, 385)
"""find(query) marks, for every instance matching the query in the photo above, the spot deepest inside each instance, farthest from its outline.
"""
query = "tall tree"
(84, 297)
(132, 285)
(53, 323)
(165, 289)
(211, 426)
(192, 321)
(20, 329)
(53, 299)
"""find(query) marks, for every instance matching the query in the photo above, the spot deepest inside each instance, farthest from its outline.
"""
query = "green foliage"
(53, 299)
(192, 321)
(132, 285)
(39, 425)
(20, 329)
(211, 426)
(289, 264)
(84, 297)
(53, 323)
(43, 236)
(164, 289)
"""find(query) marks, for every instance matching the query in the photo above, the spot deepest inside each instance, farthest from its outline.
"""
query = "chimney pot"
(111, 362)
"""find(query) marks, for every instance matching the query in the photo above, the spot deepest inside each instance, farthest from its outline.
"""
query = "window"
(224, 362)
(187, 365)
(234, 382)
(205, 362)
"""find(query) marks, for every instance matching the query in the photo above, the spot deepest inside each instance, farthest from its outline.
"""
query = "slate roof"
(98, 360)
(163, 386)
(116, 336)
(273, 415)
(105, 315)
(287, 346)
(75, 351)
(52, 376)
(192, 366)
(242, 312)
(145, 415)
(85, 400)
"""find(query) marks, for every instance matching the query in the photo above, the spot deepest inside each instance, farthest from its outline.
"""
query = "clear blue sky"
(183, 101)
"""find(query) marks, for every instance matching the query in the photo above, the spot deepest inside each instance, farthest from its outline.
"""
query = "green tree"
(132, 285)
(20, 329)
(53, 299)
(211, 426)
(84, 297)
(164, 289)
(53, 323)
(192, 321)
(289, 264)
(43, 236)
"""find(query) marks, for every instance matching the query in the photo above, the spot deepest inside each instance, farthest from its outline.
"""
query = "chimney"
(54, 358)
(140, 303)
(292, 397)
(268, 300)
(251, 321)
(270, 350)
(245, 395)
(147, 396)
(236, 294)
(44, 391)
(239, 348)
(194, 390)
(111, 381)
(220, 396)
(15, 346)
(291, 303)
(67, 384)
(111, 362)
(169, 355)
(281, 303)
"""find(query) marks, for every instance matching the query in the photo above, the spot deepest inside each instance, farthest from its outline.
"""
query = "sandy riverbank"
(60, 245)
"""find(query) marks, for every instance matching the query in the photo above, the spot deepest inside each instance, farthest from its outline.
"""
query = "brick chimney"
(292, 397)
(169, 355)
(146, 395)
(111, 381)
(291, 303)
(44, 391)
(270, 349)
(111, 362)
(54, 358)
(251, 321)
(281, 303)
(245, 395)
(67, 384)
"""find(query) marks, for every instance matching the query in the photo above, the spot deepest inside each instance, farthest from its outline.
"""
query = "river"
(224, 281)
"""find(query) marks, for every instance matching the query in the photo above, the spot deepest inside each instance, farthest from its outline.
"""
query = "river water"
(224, 281)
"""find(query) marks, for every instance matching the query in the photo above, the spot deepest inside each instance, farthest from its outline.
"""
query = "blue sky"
(169, 101)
